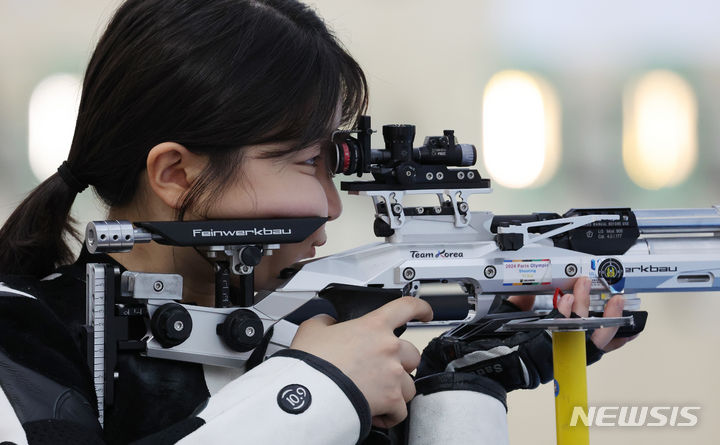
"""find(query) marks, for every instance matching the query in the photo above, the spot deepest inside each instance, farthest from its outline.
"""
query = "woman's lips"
(310, 253)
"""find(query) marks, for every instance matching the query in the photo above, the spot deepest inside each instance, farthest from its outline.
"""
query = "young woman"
(198, 109)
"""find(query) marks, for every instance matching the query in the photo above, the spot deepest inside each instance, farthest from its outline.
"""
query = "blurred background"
(571, 104)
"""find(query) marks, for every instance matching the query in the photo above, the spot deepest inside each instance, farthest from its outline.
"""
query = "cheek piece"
(70, 179)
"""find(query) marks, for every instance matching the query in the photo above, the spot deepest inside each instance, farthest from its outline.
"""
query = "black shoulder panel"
(36, 397)
(33, 337)
(53, 432)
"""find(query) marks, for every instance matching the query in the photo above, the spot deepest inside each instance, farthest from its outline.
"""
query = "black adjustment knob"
(406, 174)
(241, 331)
(399, 140)
(171, 324)
(382, 229)
(251, 256)
(399, 134)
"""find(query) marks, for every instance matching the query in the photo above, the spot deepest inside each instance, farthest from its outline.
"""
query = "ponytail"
(33, 238)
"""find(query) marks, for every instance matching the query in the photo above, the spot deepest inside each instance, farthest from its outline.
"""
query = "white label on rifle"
(527, 272)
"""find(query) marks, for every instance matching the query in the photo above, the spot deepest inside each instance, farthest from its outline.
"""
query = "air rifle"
(456, 259)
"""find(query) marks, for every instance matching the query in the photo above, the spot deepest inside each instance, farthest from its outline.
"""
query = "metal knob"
(171, 324)
(242, 330)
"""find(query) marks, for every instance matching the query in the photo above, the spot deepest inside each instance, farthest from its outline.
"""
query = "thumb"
(318, 320)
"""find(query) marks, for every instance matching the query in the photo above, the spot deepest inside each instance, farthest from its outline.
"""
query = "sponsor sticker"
(527, 272)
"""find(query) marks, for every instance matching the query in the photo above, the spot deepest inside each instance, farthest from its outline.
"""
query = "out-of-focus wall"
(428, 63)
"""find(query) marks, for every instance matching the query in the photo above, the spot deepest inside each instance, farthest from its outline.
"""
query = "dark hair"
(212, 75)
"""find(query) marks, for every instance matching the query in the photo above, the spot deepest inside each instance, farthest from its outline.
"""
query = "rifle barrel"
(700, 220)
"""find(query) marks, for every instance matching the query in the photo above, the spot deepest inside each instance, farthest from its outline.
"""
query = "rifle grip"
(352, 302)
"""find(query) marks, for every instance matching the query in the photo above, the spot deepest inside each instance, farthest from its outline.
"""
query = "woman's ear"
(171, 170)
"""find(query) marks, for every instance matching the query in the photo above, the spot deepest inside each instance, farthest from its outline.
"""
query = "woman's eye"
(312, 161)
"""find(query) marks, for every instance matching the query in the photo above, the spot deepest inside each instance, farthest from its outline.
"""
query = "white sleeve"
(293, 397)
(10, 428)
(455, 408)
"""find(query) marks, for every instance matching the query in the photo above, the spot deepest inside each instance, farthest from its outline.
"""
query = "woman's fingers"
(616, 343)
(408, 388)
(565, 304)
(391, 419)
(401, 310)
(581, 291)
(523, 302)
(320, 320)
(398, 411)
(603, 337)
(577, 302)
(409, 356)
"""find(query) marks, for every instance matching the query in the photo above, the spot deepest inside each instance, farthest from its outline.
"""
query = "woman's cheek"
(296, 200)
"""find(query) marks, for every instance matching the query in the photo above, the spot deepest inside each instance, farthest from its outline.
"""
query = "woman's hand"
(522, 360)
(366, 350)
(579, 302)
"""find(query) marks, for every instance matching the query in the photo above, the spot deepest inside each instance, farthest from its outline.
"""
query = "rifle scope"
(353, 155)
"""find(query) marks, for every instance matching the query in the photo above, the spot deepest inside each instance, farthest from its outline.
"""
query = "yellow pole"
(569, 365)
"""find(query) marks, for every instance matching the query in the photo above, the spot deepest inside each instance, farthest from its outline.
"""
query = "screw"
(397, 209)
(420, 210)
(490, 272)
(250, 331)
(437, 210)
(408, 273)
(439, 176)
(463, 206)
(429, 176)
(158, 286)
(571, 270)
(245, 270)
(471, 175)
(460, 175)
(178, 326)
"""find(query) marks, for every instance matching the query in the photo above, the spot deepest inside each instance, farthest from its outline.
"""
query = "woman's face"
(295, 185)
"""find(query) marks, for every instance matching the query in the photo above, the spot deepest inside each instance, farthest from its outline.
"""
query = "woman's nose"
(333, 198)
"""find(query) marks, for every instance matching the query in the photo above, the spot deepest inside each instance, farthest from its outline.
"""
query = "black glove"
(519, 360)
